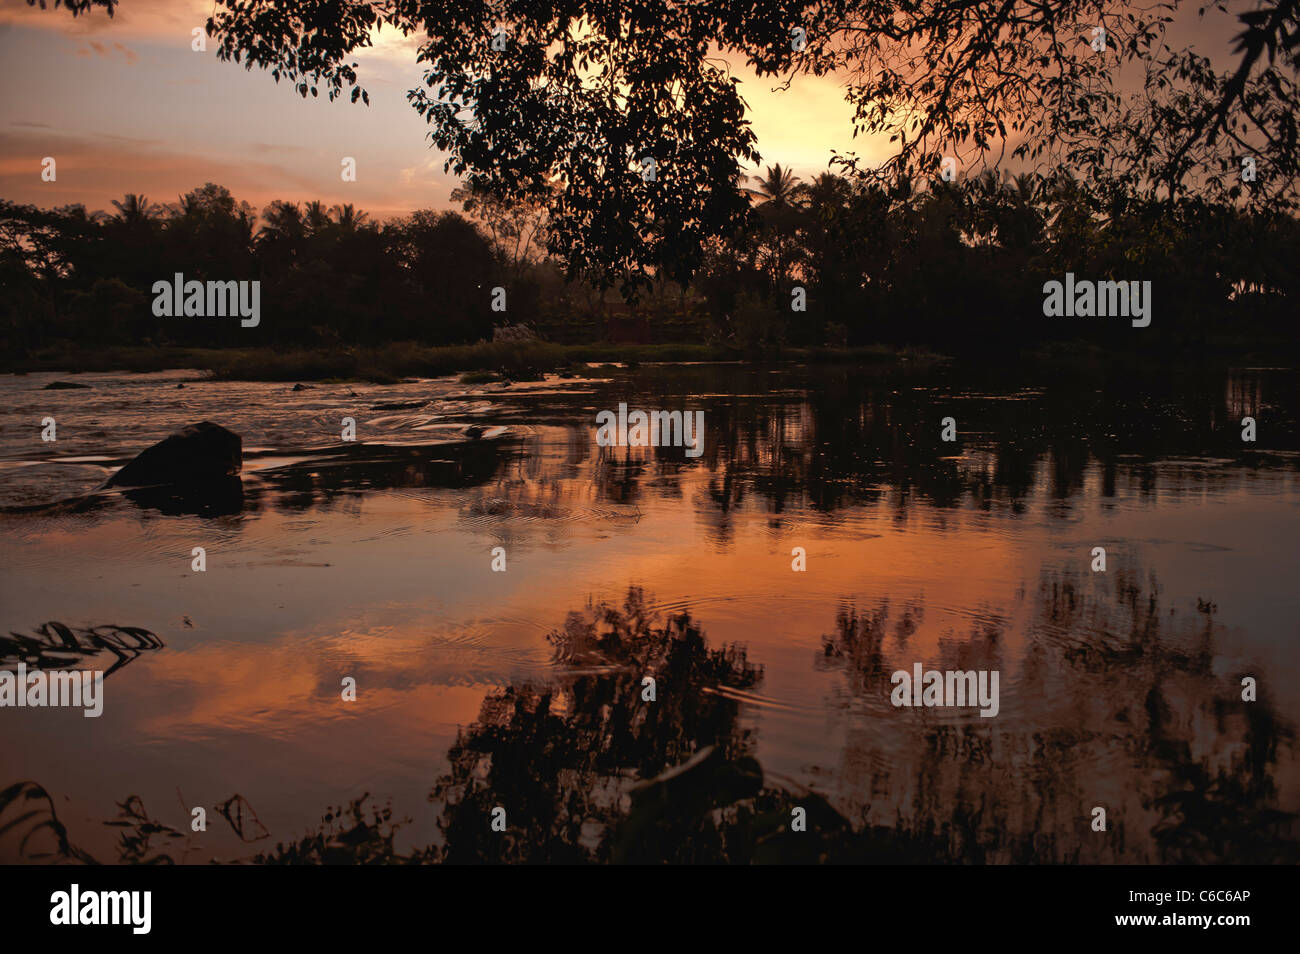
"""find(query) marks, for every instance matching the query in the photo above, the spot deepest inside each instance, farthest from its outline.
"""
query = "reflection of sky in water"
(336, 567)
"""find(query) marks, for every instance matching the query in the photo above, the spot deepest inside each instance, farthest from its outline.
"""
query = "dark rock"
(64, 386)
(194, 454)
(302, 387)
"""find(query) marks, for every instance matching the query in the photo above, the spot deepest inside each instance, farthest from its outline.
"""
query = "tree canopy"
(566, 99)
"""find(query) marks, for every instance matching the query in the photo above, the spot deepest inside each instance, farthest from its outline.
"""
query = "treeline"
(956, 266)
(960, 265)
(328, 275)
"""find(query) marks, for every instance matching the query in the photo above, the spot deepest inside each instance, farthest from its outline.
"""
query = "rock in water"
(194, 454)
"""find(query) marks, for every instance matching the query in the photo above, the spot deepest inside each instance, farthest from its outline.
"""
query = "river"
(373, 560)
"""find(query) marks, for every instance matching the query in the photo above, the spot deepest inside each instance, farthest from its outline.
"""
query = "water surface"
(479, 688)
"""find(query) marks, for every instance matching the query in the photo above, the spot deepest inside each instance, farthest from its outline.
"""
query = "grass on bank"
(388, 364)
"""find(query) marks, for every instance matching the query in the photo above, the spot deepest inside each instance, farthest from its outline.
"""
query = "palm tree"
(281, 240)
(245, 220)
(1027, 187)
(777, 187)
(981, 208)
(186, 205)
(1069, 217)
(316, 217)
(283, 221)
(825, 193)
(348, 218)
(776, 193)
(986, 184)
(135, 208)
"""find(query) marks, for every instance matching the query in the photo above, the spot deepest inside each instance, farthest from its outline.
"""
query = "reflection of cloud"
(274, 688)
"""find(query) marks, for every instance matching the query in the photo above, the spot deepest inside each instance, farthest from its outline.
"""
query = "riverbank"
(388, 364)
(529, 360)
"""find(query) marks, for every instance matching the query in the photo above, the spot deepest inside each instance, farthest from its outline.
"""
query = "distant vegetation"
(955, 267)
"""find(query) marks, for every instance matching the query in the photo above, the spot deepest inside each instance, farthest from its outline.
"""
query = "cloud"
(803, 126)
(265, 147)
(170, 23)
(178, 119)
(389, 45)
(155, 19)
(101, 49)
(93, 169)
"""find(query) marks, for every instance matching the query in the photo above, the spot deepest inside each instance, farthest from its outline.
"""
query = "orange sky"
(125, 105)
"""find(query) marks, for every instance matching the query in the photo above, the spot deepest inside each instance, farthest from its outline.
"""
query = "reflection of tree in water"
(586, 770)
(54, 645)
(1116, 704)
(840, 437)
(857, 647)
(562, 757)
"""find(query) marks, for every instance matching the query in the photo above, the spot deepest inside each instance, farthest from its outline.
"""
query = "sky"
(125, 105)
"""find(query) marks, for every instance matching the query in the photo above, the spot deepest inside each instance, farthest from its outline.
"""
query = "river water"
(373, 560)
